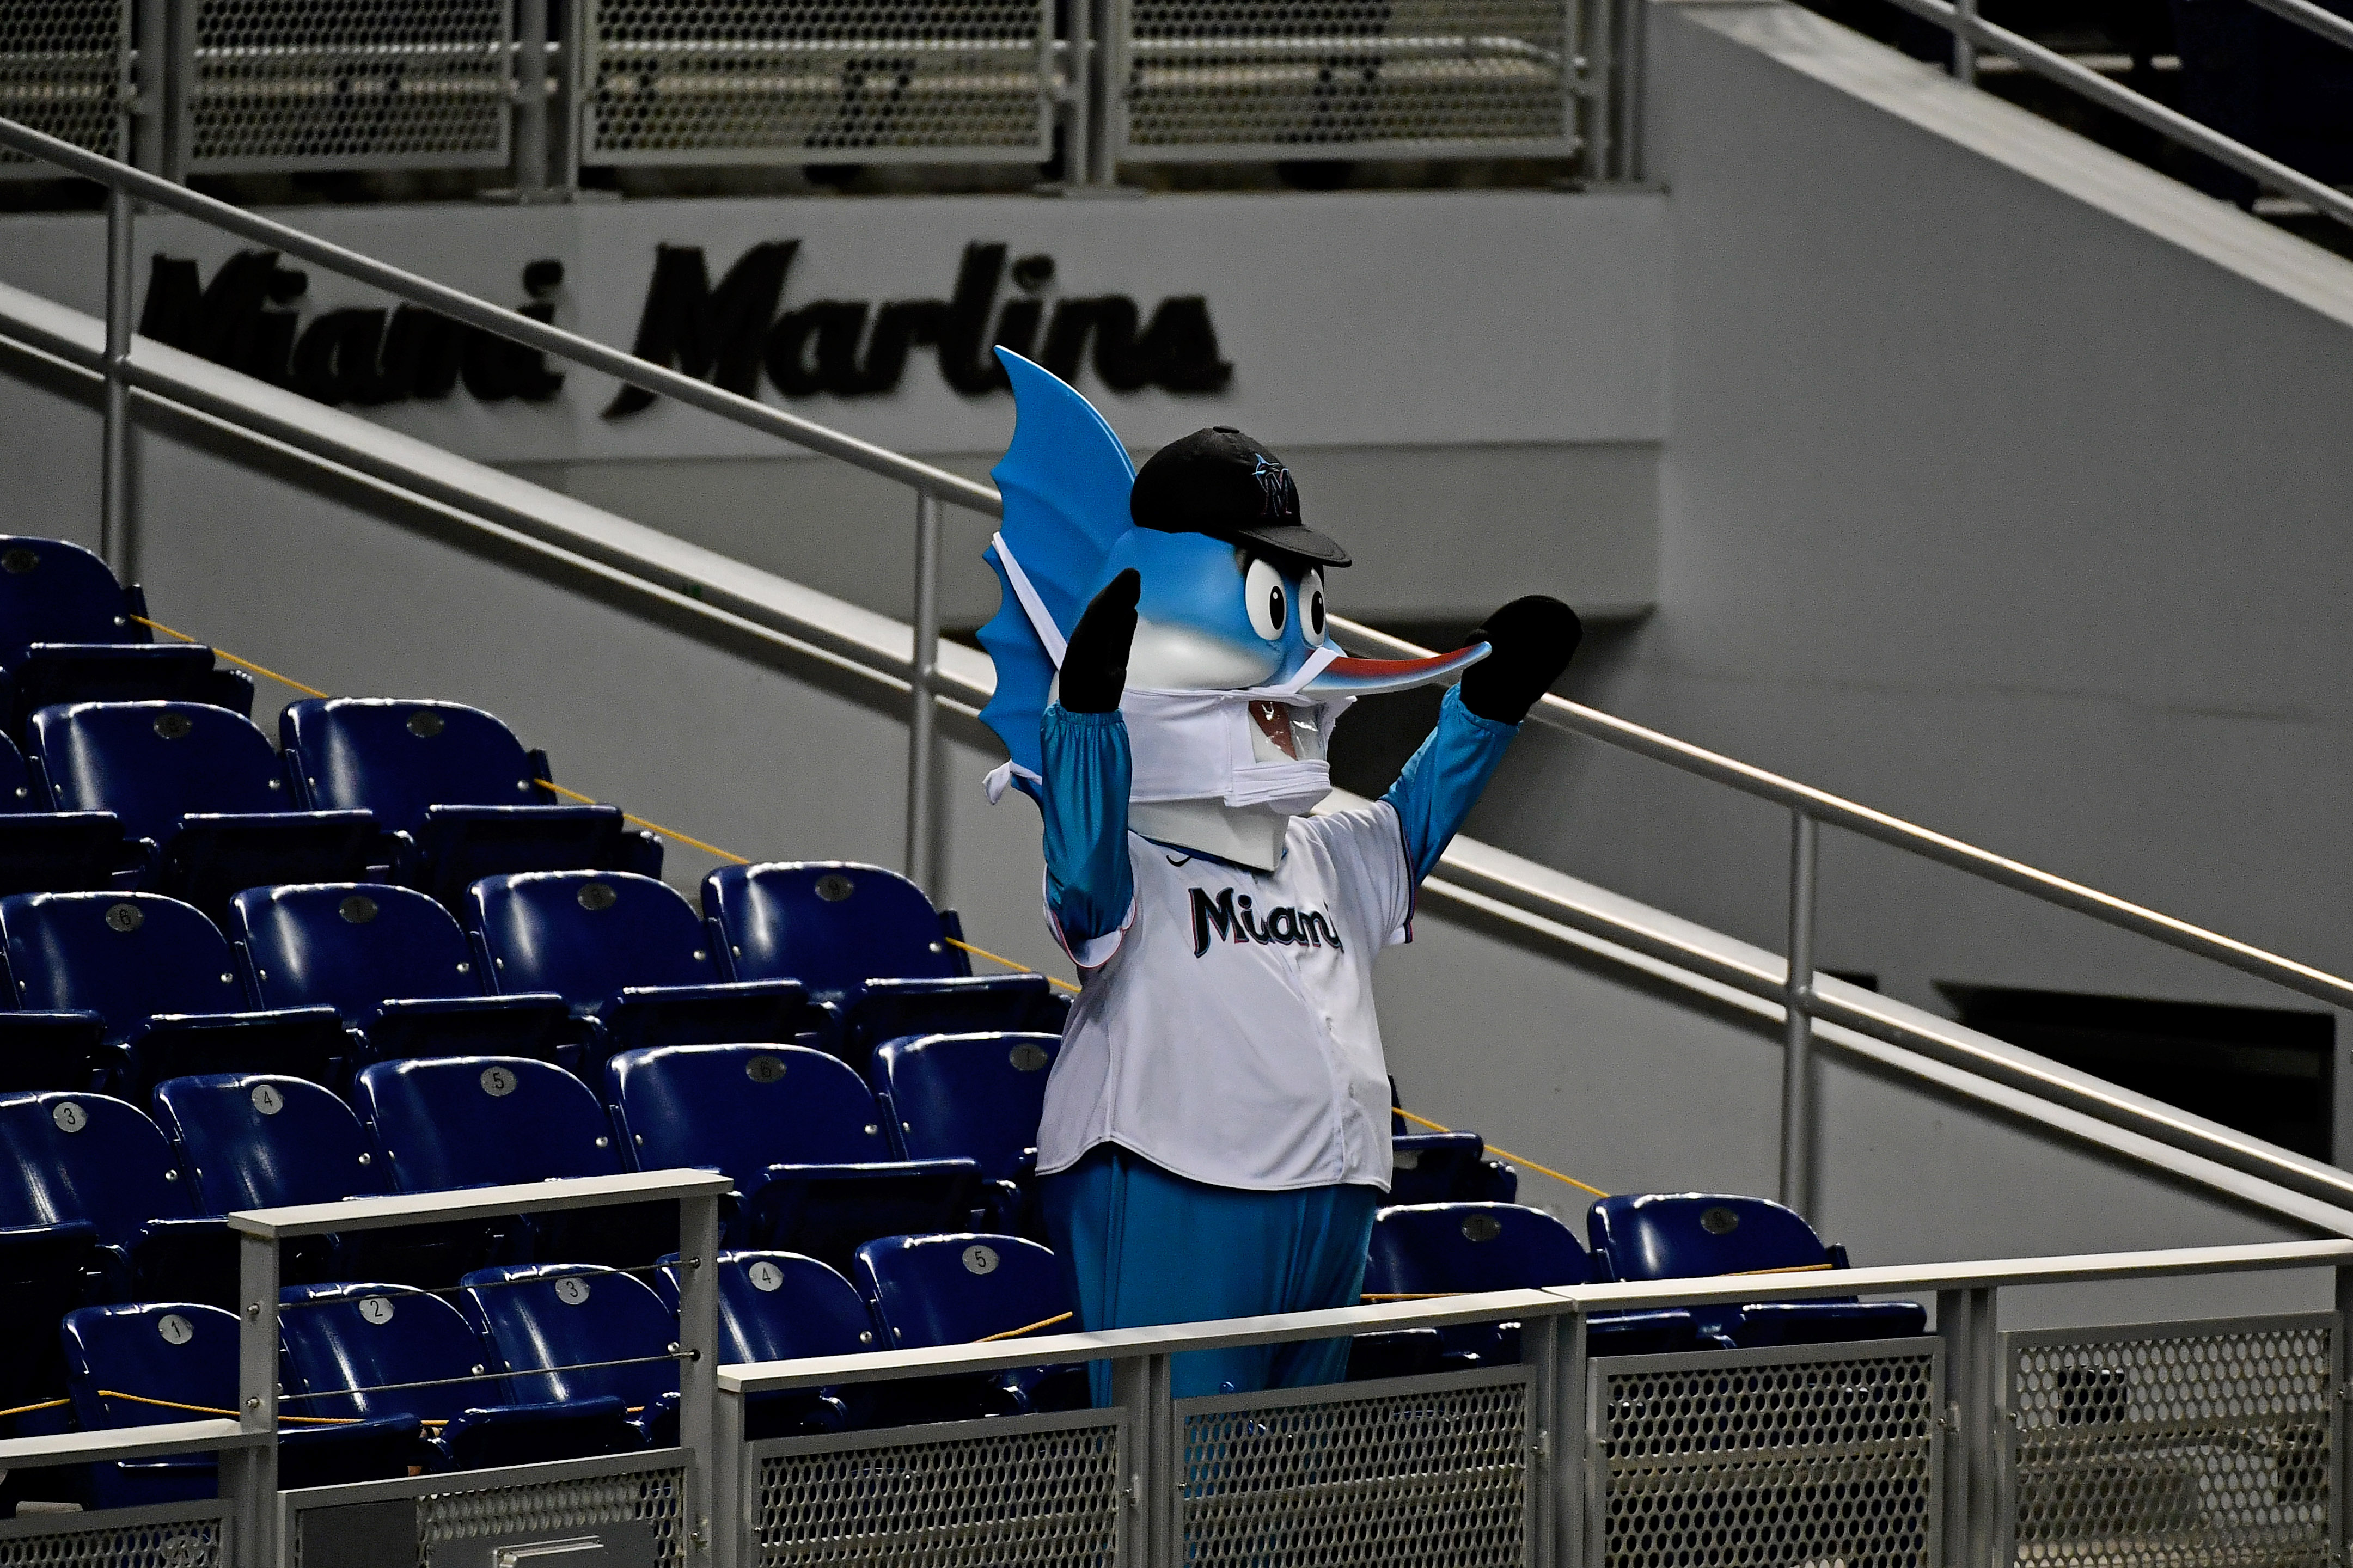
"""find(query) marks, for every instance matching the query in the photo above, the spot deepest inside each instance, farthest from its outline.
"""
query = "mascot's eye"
(1311, 597)
(1266, 598)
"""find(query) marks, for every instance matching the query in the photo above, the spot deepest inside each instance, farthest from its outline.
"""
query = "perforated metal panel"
(1202, 79)
(721, 81)
(1815, 1454)
(2193, 1443)
(446, 1518)
(62, 71)
(1043, 1492)
(1421, 1470)
(166, 1535)
(288, 85)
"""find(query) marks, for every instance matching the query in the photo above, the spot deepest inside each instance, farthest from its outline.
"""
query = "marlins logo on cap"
(1223, 483)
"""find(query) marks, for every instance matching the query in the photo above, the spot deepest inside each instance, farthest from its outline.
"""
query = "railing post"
(1562, 1361)
(1601, 90)
(116, 518)
(249, 1476)
(1972, 1418)
(1798, 999)
(1140, 1386)
(2340, 1367)
(531, 101)
(729, 1521)
(698, 1343)
(922, 674)
(1965, 47)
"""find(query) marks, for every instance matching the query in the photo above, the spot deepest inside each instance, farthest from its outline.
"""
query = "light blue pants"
(1141, 1246)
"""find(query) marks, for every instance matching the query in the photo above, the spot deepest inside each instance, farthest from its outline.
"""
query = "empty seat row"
(436, 794)
(568, 966)
(1449, 1248)
(559, 1361)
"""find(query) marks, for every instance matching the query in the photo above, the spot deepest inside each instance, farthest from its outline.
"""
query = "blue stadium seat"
(868, 942)
(68, 634)
(539, 1317)
(956, 1289)
(83, 1158)
(138, 1365)
(833, 925)
(397, 967)
(1443, 1249)
(460, 784)
(163, 983)
(203, 787)
(347, 1345)
(1682, 1235)
(47, 851)
(472, 1121)
(799, 1134)
(627, 954)
(1448, 1168)
(258, 1141)
(781, 1305)
(975, 1097)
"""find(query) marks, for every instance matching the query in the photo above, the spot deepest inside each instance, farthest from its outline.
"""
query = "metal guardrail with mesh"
(65, 68)
(717, 81)
(1359, 79)
(341, 84)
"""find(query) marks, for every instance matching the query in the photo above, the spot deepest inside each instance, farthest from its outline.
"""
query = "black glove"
(1094, 666)
(1533, 639)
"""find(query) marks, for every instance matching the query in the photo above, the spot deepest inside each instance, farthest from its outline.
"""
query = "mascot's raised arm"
(1216, 1134)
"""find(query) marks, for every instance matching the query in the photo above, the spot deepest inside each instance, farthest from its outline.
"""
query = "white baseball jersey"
(1229, 1034)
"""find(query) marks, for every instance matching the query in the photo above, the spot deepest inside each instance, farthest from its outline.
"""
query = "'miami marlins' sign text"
(740, 332)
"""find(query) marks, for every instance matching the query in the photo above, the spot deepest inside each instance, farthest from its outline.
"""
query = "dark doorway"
(2262, 1070)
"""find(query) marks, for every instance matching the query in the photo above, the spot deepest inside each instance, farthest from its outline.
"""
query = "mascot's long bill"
(1216, 1134)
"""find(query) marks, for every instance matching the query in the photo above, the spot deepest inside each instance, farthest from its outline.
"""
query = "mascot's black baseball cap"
(1220, 482)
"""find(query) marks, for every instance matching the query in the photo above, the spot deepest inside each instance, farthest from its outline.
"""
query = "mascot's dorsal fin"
(1065, 481)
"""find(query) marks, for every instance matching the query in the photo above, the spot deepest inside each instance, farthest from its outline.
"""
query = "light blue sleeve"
(1089, 885)
(1444, 779)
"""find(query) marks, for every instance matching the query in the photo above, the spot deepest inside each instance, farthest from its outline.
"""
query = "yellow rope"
(648, 826)
(28, 1409)
(210, 1410)
(1026, 1327)
(240, 663)
(1506, 1153)
(997, 958)
(1790, 1268)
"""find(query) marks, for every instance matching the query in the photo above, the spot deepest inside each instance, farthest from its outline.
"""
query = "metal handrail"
(1808, 807)
(586, 353)
(1903, 1280)
(1971, 32)
(1576, 718)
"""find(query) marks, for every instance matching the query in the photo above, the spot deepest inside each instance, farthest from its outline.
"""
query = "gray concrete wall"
(2004, 488)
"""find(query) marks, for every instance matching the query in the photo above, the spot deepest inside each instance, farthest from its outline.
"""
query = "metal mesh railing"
(1426, 1472)
(1359, 79)
(1041, 1491)
(447, 1518)
(62, 71)
(1815, 1454)
(166, 1543)
(2206, 1443)
(716, 81)
(277, 86)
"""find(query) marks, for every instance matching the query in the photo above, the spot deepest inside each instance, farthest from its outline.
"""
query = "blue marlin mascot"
(1215, 1135)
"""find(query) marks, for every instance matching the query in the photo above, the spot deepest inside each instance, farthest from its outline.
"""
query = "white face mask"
(1212, 745)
